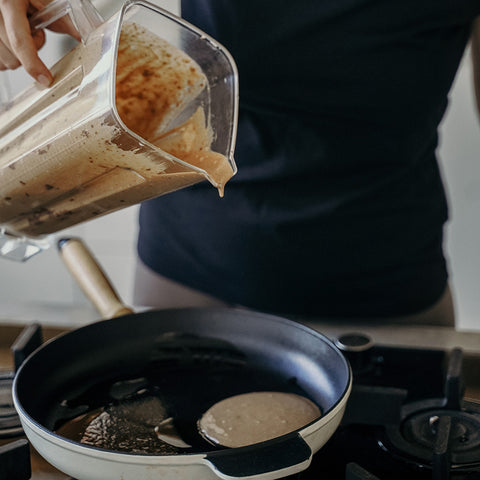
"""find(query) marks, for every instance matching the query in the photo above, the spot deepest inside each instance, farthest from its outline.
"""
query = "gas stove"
(414, 411)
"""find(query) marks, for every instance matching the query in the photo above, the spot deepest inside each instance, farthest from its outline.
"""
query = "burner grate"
(15, 461)
(441, 434)
(460, 427)
(9, 421)
(406, 419)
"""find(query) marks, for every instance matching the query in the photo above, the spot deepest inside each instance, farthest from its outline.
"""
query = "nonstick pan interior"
(189, 358)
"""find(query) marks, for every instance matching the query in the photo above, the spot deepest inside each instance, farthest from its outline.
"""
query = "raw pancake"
(256, 417)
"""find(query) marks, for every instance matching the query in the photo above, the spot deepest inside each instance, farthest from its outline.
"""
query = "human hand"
(19, 45)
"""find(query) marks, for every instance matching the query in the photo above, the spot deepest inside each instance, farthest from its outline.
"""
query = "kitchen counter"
(394, 335)
(403, 335)
(67, 317)
(63, 315)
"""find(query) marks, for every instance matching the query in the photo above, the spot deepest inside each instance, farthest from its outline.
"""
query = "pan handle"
(288, 456)
(91, 278)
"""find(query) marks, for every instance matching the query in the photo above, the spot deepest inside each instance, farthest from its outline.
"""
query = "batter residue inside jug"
(73, 165)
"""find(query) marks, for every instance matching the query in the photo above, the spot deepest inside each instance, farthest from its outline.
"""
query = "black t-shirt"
(338, 206)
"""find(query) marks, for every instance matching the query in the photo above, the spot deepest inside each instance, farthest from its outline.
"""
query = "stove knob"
(356, 348)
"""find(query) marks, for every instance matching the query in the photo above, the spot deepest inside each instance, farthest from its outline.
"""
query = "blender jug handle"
(84, 15)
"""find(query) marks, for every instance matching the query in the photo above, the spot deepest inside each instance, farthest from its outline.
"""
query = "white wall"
(42, 289)
(460, 161)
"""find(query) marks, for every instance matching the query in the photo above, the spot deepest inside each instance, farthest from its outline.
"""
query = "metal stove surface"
(396, 368)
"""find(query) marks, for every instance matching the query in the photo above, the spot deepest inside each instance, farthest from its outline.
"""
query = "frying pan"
(201, 355)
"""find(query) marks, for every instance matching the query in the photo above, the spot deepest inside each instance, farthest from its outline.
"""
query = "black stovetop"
(407, 418)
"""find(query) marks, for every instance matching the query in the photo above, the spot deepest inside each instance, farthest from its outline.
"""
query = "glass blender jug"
(145, 105)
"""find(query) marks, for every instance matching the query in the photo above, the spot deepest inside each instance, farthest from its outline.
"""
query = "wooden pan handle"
(91, 278)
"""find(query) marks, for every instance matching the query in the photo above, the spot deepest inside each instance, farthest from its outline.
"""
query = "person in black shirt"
(338, 207)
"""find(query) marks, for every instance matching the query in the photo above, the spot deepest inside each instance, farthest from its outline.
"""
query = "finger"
(39, 39)
(65, 25)
(8, 61)
(22, 44)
